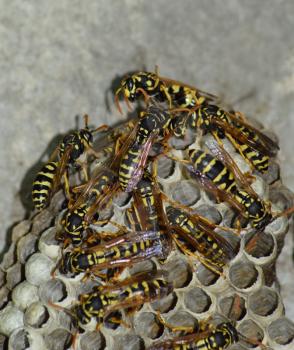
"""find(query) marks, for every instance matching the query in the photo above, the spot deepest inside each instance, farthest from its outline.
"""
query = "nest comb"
(247, 295)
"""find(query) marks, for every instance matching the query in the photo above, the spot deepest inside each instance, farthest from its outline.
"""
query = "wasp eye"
(129, 84)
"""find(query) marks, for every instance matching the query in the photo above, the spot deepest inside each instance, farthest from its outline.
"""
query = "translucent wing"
(207, 95)
(261, 143)
(225, 158)
(209, 186)
(140, 277)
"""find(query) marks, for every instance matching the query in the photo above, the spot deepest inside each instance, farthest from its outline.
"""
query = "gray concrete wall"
(58, 59)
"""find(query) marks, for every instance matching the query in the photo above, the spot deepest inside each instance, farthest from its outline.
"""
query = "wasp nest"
(245, 293)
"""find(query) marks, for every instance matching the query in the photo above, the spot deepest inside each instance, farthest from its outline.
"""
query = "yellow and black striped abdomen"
(213, 169)
(128, 164)
(43, 184)
(255, 209)
(207, 245)
(204, 118)
(219, 339)
(203, 241)
(257, 159)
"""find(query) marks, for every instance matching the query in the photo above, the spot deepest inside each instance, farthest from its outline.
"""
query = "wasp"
(217, 178)
(68, 153)
(77, 219)
(195, 236)
(254, 146)
(224, 335)
(74, 145)
(207, 337)
(104, 183)
(147, 203)
(130, 293)
(120, 252)
(152, 123)
(149, 84)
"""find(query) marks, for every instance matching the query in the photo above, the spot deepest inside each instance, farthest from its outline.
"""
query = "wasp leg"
(118, 321)
(67, 187)
(146, 97)
(186, 329)
(206, 263)
(84, 170)
(250, 178)
(99, 323)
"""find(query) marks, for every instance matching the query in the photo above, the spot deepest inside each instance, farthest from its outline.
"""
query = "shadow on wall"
(25, 192)
(26, 188)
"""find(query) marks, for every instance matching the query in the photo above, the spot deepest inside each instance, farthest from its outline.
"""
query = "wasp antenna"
(156, 69)
(61, 308)
(103, 127)
(86, 120)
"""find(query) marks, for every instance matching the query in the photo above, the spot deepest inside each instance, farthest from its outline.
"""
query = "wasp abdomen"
(43, 184)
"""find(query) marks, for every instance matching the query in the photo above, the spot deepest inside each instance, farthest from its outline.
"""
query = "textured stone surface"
(57, 60)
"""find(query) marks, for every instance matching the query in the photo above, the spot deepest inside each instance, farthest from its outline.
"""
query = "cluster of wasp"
(124, 161)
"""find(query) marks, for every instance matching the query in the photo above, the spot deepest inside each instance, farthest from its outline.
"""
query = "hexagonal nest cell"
(37, 299)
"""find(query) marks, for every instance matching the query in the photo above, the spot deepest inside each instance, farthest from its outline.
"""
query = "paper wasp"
(220, 179)
(219, 175)
(104, 180)
(152, 123)
(224, 335)
(68, 152)
(253, 145)
(74, 225)
(123, 251)
(128, 294)
(149, 84)
(207, 337)
(195, 236)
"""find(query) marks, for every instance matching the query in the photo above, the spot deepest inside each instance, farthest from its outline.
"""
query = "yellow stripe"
(135, 248)
(200, 158)
(46, 174)
(42, 191)
(220, 175)
(124, 166)
(209, 166)
(44, 183)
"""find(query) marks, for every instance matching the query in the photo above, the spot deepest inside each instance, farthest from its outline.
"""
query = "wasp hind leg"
(186, 329)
